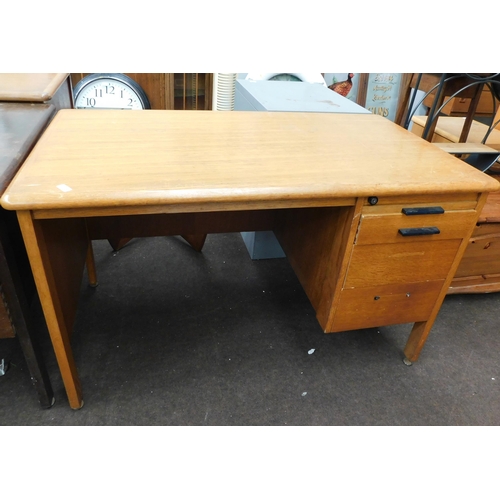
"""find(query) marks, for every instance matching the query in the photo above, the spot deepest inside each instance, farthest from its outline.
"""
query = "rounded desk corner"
(5, 202)
(496, 185)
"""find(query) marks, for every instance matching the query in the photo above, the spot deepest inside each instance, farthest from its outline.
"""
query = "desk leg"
(416, 341)
(91, 270)
(57, 250)
(421, 330)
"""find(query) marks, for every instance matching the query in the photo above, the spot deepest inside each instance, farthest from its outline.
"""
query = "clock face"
(109, 91)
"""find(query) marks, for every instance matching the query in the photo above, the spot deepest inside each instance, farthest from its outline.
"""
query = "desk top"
(30, 87)
(20, 127)
(108, 158)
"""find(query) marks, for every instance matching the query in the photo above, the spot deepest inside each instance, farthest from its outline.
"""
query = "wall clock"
(109, 91)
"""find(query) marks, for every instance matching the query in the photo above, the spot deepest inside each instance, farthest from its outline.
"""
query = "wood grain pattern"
(316, 243)
(385, 305)
(149, 172)
(400, 262)
(174, 157)
(57, 250)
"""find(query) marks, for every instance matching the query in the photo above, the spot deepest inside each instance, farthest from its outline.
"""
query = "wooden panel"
(384, 228)
(385, 305)
(175, 224)
(154, 84)
(66, 249)
(57, 251)
(400, 263)
(317, 243)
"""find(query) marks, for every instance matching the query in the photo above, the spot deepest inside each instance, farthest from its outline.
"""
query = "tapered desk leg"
(416, 341)
(421, 330)
(57, 250)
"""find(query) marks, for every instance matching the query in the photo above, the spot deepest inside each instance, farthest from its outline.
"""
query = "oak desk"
(333, 188)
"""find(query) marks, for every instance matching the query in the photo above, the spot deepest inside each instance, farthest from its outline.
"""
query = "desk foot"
(79, 408)
(407, 362)
(94, 285)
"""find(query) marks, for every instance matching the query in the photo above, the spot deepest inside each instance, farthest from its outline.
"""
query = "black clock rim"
(86, 80)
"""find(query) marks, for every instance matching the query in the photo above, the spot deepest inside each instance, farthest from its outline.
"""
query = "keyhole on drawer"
(376, 298)
(407, 294)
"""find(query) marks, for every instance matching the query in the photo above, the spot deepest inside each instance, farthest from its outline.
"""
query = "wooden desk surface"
(20, 127)
(106, 158)
(31, 87)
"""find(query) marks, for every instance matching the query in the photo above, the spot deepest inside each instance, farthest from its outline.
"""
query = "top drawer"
(403, 222)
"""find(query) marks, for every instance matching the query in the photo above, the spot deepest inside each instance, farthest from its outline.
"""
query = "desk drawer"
(385, 305)
(410, 262)
(376, 229)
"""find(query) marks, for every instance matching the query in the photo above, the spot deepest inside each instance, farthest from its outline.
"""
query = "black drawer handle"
(423, 211)
(418, 231)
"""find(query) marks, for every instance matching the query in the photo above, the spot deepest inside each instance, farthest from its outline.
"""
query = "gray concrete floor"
(173, 337)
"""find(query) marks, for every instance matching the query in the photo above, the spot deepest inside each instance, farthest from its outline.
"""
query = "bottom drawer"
(370, 307)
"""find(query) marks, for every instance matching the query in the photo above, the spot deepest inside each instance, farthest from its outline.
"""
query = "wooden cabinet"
(479, 269)
(171, 90)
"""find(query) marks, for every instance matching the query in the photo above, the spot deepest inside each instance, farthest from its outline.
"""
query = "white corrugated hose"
(224, 90)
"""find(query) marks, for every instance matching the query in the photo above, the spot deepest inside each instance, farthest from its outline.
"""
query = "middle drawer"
(407, 262)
